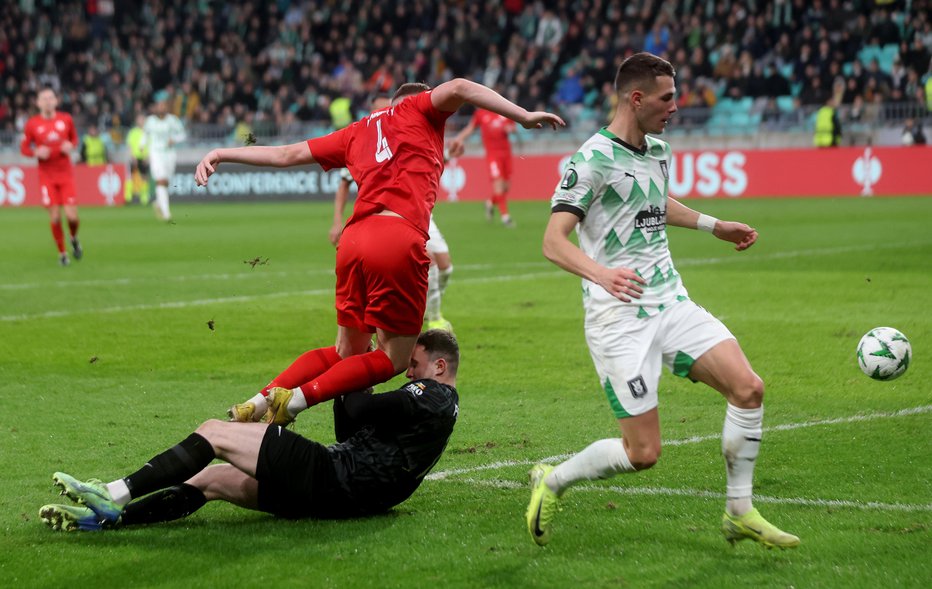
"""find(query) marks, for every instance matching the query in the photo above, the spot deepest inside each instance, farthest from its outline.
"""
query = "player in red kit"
(50, 137)
(396, 156)
(494, 129)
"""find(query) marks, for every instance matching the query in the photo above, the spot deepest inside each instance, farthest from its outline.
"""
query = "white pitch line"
(248, 298)
(683, 441)
(683, 262)
(701, 494)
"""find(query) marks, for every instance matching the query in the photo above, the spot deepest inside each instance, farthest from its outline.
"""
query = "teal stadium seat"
(785, 104)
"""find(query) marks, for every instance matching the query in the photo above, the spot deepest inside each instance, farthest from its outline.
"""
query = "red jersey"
(396, 157)
(495, 129)
(51, 133)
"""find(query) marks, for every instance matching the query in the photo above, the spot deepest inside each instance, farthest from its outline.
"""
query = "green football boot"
(753, 526)
(543, 506)
(72, 518)
(92, 493)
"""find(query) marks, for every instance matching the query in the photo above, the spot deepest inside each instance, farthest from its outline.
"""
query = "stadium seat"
(785, 103)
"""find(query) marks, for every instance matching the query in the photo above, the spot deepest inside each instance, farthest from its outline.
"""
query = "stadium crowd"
(284, 63)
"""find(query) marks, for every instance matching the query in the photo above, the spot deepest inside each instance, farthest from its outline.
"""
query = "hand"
(537, 120)
(206, 167)
(67, 147)
(622, 283)
(43, 152)
(737, 233)
(334, 234)
(456, 148)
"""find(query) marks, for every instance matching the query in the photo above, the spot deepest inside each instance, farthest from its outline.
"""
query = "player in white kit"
(638, 315)
(162, 131)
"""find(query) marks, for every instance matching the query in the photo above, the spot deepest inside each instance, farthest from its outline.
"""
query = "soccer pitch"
(161, 326)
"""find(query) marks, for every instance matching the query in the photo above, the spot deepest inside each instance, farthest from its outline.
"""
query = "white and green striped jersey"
(620, 193)
(161, 134)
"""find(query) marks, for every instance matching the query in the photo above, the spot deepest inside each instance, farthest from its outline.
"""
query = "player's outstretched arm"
(622, 283)
(280, 156)
(451, 95)
(679, 215)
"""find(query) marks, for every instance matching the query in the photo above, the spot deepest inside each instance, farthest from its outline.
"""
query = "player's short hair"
(46, 87)
(408, 89)
(640, 72)
(441, 344)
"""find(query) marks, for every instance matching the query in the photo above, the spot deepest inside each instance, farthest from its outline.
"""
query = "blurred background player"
(93, 148)
(50, 137)
(494, 129)
(137, 189)
(161, 133)
(441, 265)
(396, 157)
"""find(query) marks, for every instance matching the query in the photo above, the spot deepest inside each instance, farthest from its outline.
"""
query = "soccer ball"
(884, 353)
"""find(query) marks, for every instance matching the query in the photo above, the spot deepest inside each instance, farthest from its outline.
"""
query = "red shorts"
(382, 268)
(57, 192)
(499, 166)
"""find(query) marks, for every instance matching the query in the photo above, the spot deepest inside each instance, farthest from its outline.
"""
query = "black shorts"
(296, 477)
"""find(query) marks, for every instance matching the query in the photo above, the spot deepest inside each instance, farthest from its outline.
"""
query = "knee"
(644, 456)
(210, 429)
(749, 392)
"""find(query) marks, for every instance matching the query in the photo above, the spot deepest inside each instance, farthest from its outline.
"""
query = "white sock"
(434, 293)
(261, 403)
(444, 278)
(600, 460)
(161, 199)
(119, 492)
(741, 437)
(298, 403)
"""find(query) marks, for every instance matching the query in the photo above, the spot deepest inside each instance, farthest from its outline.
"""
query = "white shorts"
(436, 244)
(162, 166)
(628, 353)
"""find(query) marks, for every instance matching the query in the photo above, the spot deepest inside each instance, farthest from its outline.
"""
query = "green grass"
(108, 362)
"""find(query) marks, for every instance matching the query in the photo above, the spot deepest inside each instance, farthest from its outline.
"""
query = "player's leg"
(236, 443)
(721, 364)
(491, 203)
(160, 175)
(627, 360)
(52, 202)
(500, 186)
(441, 267)
(71, 214)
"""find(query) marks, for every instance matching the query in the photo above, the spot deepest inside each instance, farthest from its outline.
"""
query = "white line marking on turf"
(684, 262)
(693, 440)
(249, 298)
(229, 276)
(701, 494)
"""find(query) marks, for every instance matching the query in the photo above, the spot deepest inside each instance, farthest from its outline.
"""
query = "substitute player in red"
(50, 137)
(396, 156)
(494, 129)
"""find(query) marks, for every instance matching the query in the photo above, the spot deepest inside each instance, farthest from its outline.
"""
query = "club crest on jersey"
(663, 169)
(60, 125)
(637, 386)
(570, 178)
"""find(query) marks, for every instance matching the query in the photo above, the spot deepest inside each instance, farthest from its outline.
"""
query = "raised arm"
(679, 215)
(280, 156)
(451, 95)
(621, 283)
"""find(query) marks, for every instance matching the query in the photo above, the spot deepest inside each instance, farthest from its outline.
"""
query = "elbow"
(548, 249)
(460, 87)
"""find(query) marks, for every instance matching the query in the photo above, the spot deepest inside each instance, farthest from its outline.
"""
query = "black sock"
(164, 506)
(172, 467)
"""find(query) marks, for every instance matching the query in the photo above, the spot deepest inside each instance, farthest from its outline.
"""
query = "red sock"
(349, 374)
(502, 201)
(308, 366)
(59, 236)
(73, 228)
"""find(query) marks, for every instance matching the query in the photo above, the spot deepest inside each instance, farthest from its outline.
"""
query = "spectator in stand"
(912, 133)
